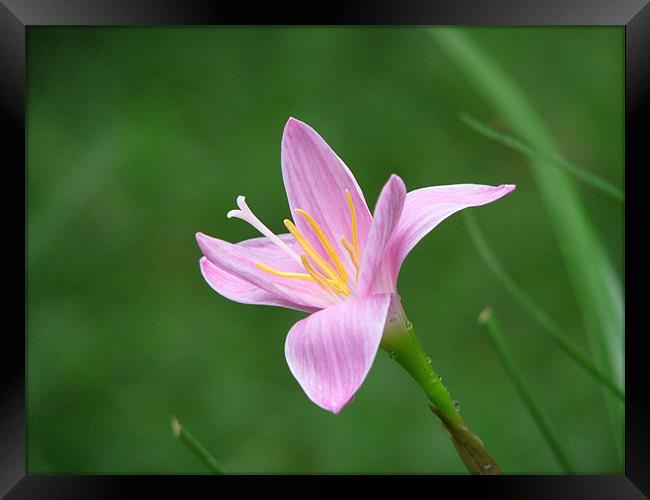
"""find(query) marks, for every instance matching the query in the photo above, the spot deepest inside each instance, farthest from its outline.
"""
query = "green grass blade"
(597, 288)
(560, 338)
(535, 154)
(492, 328)
(184, 435)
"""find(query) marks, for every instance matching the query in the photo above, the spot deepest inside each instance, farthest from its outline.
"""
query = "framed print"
(386, 244)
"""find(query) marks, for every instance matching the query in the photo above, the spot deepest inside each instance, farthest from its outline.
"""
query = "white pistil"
(244, 213)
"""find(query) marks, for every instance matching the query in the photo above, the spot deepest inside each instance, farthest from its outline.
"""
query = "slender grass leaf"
(184, 435)
(492, 328)
(550, 326)
(597, 288)
(535, 154)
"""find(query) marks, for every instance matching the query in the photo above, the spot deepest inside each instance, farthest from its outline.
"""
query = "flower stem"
(404, 346)
(183, 434)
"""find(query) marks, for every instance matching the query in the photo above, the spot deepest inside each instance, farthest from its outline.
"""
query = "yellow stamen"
(286, 274)
(340, 287)
(283, 274)
(350, 248)
(309, 250)
(353, 248)
(355, 258)
(329, 279)
(355, 241)
(326, 245)
(320, 279)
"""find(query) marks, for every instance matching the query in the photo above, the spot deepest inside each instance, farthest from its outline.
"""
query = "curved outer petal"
(331, 351)
(423, 210)
(240, 290)
(238, 261)
(385, 220)
(315, 180)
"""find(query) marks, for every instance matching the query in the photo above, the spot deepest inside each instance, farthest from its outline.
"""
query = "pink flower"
(338, 262)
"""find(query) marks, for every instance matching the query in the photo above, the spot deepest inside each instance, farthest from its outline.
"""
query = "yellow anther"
(353, 248)
(329, 279)
(353, 256)
(350, 248)
(326, 245)
(283, 274)
(320, 279)
(309, 250)
(355, 241)
(339, 287)
(298, 276)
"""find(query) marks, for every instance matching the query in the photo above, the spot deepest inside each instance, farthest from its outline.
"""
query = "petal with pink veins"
(239, 261)
(242, 291)
(315, 180)
(423, 210)
(385, 220)
(331, 351)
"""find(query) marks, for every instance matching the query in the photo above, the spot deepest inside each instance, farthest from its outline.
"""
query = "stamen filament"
(329, 248)
(353, 248)
(283, 274)
(332, 281)
(309, 250)
(355, 241)
(353, 255)
(320, 279)
(286, 274)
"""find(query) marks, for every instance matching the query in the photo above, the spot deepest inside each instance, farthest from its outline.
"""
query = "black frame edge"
(350, 12)
(637, 99)
(12, 369)
(12, 103)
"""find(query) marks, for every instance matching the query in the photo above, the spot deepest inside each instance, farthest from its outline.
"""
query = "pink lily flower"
(338, 262)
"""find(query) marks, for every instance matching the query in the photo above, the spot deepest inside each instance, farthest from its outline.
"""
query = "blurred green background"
(137, 138)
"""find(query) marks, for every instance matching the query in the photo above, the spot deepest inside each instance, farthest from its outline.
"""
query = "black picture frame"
(17, 15)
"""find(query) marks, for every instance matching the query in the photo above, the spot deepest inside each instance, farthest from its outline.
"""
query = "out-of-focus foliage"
(138, 138)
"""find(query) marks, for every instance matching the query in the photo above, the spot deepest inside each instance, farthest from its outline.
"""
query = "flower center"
(332, 278)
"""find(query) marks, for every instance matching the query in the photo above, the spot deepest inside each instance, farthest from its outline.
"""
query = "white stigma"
(244, 213)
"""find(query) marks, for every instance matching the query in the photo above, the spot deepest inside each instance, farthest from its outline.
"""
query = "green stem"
(493, 330)
(538, 313)
(537, 154)
(404, 346)
(183, 434)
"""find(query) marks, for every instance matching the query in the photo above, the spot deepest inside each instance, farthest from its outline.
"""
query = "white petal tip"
(203, 240)
(336, 407)
(295, 124)
(233, 213)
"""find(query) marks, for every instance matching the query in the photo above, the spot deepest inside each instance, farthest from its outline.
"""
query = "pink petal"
(239, 261)
(423, 210)
(240, 290)
(385, 220)
(331, 351)
(315, 179)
